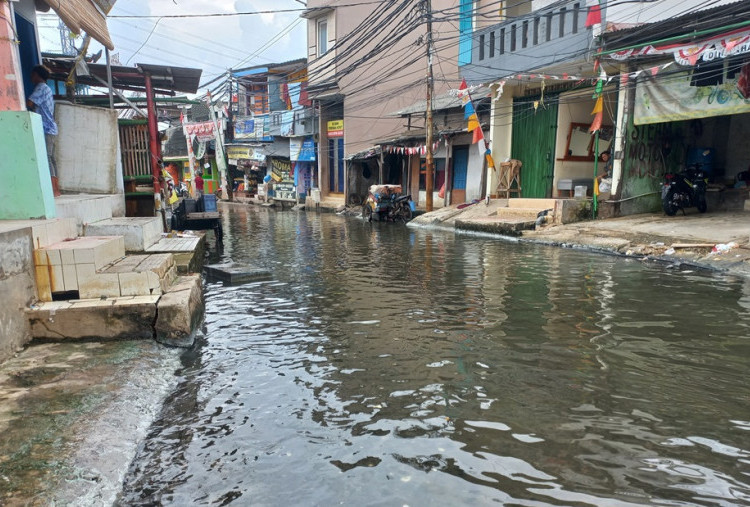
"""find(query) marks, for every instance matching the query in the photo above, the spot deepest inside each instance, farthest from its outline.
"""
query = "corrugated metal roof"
(687, 24)
(163, 77)
(441, 102)
(86, 15)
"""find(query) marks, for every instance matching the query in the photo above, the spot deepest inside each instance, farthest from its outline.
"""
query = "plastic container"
(191, 205)
(703, 157)
(580, 191)
(209, 203)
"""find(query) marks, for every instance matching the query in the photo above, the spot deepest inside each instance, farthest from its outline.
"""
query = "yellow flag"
(599, 106)
(596, 186)
(473, 123)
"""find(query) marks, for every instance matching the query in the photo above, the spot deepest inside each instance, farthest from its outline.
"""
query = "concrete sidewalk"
(654, 236)
(647, 236)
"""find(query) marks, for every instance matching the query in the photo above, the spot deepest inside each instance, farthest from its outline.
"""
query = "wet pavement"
(72, 416)
(385, 365)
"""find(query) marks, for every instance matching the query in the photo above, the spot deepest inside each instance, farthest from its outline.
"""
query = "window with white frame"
(322, 37)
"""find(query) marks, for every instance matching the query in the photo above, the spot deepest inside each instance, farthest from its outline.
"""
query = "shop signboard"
(257, 128)
(302, 149)
(283, 176)
(240, 152)
(335, 128)
(202, 131)
(661, 99)
(244, 128)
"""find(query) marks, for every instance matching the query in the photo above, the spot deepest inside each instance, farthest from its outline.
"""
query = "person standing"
(198, 184)
(41, 102)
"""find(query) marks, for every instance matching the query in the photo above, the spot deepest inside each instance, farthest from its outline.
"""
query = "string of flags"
(473, 125)
(499, 85)
(470, 114)
(411, 150)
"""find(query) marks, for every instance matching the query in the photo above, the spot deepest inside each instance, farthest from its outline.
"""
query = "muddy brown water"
(385, 365)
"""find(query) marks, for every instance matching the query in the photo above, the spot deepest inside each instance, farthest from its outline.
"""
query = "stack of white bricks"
(96, 267)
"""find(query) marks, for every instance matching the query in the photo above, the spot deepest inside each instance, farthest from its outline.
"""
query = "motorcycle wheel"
(701, 204)
(670, 208)
(404, 214)
(367, 212)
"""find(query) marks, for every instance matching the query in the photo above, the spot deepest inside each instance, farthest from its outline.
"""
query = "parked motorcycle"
(684, 190)
(388, 204)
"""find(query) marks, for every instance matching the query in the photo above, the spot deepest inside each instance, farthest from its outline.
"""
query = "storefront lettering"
(644, 156)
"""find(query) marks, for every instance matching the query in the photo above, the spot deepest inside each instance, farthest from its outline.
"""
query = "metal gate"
(534, 133)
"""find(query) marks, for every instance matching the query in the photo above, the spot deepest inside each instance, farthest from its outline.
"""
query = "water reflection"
(386, 365)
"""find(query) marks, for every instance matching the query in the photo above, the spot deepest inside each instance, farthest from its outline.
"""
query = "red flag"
(478, 135)
(594, 16)
(463, 85)
(597, 123)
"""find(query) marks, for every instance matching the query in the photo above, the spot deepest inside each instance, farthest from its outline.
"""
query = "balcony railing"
(542, 38)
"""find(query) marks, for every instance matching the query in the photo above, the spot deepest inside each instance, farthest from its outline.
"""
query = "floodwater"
(385, 365)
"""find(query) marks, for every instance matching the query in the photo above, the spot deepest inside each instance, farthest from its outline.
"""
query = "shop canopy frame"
(145, 78)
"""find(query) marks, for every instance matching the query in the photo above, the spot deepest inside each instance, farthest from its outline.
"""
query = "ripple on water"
(400, 366)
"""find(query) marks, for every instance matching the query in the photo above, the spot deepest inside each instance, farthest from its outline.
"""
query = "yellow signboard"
(239, 152)
(336, 128)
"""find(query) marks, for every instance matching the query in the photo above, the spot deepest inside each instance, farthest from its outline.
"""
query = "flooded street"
(391, 366)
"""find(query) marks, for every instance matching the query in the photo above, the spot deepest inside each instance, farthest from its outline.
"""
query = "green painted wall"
(26, 190)
(649, 151)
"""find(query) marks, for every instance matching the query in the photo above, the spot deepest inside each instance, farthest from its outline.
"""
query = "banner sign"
(302, 149)
(732, 43)
(244, 128)
(283, 176)
(240, 152)
(257, 128)
(336, 128)
(672, 98)
(203, 131)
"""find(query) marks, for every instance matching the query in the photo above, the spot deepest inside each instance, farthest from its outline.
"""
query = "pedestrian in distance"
(41, 102)
(198, 184)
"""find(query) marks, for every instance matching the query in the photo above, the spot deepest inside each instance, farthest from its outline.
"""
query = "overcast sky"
(212, 44)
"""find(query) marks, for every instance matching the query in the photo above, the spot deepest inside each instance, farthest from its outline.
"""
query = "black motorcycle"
(386, 202)
(684, 190)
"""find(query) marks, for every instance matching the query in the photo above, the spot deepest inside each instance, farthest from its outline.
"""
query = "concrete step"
(527, 213)
(171, 318)
(45, 231)
(139, 232)
(134, 275)
(509, 226)
(61, 266)
(87, 209)
(538, 204)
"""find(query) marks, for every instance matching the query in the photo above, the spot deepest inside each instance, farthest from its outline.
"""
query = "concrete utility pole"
(429, 163)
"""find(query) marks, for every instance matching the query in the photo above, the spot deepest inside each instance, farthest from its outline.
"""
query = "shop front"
(552, 139)
(689, 118)
(303, 155)
(248, 162)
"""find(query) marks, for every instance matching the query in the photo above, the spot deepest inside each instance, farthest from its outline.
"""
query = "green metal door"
(534, 133)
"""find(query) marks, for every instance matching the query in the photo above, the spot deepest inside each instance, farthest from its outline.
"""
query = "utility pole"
(430, 162)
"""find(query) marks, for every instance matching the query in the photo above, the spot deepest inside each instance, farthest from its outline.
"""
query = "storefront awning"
(87, 15)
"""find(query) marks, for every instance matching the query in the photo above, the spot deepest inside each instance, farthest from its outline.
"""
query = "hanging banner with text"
(732, 43)
(302, 149)
(203, 131)
(335, 128)
(283, 176)
(675, 98)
